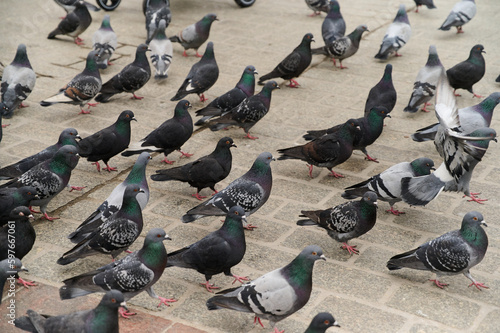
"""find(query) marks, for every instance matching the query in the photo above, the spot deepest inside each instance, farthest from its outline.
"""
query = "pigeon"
(248, 112)
(217, 252)
(49, 178)
(294, 64)
(318, 6)
(428, 3)
(20, 230)
(467, 73)
(113, 203)
(74, 24)
(161, 52)
(231, 99)
(425, 84)
(397, 35)
(205, 171)
(156, 11)
(18, 80)
(108, 142)
(346, 221)
(343, 47)
(195, 35)
(104, 41)
(250, 191)
(383, 93)
(201, 77)
(387, 184)
(326, 151)
(113, 236)
(82, 88)
(453, 253)
(67, 137)
(11, 198)
(333, 26)
(70, 5)
(130, 79)
(131, 275)
(103, 318)
(8, 269)
(321, 322)
(461, 13)
(169, 136)
(275, 295)
(498, 79)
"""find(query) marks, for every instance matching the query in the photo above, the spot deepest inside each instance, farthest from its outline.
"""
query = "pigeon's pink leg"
(310, 170)
(22, 105)
(476, 95)
(250, 227)
(79, 41)
(351, 249)
(125, 313)
(76, 188)
(395, 211)
(128, 251)
(257, 319)
(342, 67)
(398, 55)
(185, 154)
(202, 98)
(165, 160)
(334, 174)
(48, 218)
(3, 126)
(251, 137)
(425, 107)
(455, 93)
(439, 284)
(334, 62)
(33, 211)
(473, 197)
(25, 283)
(369, 158)
(198, 55)
(278, 331)
(478, 285)
(240, 279)
(109, 169)
(293, 84)
(310, 15)
(459, 30)
(198, 196)
(416, 10)
(209, 286)
(98, 166)
(134, 96)
(184, 54)
(164, 300)
(82, 111)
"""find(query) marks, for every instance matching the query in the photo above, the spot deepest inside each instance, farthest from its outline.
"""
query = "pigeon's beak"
(433, 169)
(388, 116)
(336, 324)
(141, 190)
(124, 305)
(133, 118)
(78, 137)
(24, 269)
(376, 204)
(495, 139)
(322, 257)
(483, 223)
(255, 72)
(483, 51)
(244, 219)
(31, 216)
(167, 237)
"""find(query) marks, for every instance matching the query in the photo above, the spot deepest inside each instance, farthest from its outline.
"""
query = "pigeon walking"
(169, 136)
(428, 3)
(8, 267)
(461, 13)
(70, 5)
(104, 41)
(453, 253)
(383, 93)
(11, 198)
(294, 64)
(346, 221)
(130, 79)
(74, 24)
(396, 36)
(333, 26)
(467, 73)
(201, 77)
(161, 52)
(321, 322)
(156, 10)
(318, 6)
(276, 295)
(193, 36)
(18, 80)
(205, 171)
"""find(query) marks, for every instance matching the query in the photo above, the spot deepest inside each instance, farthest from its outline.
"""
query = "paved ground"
(358, 290)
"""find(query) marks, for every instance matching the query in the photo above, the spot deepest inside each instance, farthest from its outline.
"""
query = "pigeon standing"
(156, 11)
(468, 72)
(104, 41)
(461, 13)
(70, 5)
(294, 64)
(108, 142)
(169, 136)
(131, 275)
(428, 3)
(130, 79)
(74, 24)
(82, 88)
(11, 198)
(276, 295)
(201, 77)
(8, 267)
(453, 253)
(205, 171)
(161, 52)
(195, 35)
(346, 221)
(321, 322)
(18, 80)
(396, 36)
(318, 6)
(333, 26)
(383, 93)
(426, 82)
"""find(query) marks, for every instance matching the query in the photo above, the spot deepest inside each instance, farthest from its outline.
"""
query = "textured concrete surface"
(358, 290)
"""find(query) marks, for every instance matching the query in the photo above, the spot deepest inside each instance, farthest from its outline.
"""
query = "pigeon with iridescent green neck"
(383, 93)
(11, 198)
(104, 41)
(321, 322)
(8, 267)
(467, 73)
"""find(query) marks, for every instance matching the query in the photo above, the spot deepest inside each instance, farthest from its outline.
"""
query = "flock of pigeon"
(461, 138)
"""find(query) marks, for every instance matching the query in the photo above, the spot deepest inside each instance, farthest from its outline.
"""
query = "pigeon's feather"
(397, 35)
(383, 93)
(461, 13)
(468, 72)
(333, 26)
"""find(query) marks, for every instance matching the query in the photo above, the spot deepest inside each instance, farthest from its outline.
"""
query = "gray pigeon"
(11, 198)
(461, 13)
(383, 93)
(321, 322)
(453, 253)
(8, 268)
(82, 88)
(468, 72)
(424, 87)
(70, 5)
(318, 6)
(156, 10)
(130, 79)
(397, 35)
(333, 26)
(74, 24)
(131, 275)
(387, 184)
(18, 80)
(104, 41)
(346, 221)
(250, 191)
(428, 3)
(217, 252)
(201, 77)
(276, 295)
(103, 318)
(193, 36)
(161, 52)
(49, 177)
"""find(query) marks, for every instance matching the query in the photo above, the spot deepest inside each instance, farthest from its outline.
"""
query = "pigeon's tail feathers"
(80, 285)
(425, 134)
(67, 292)
(407, 259)
(33, 322)
(355, 192)
(174, 39)
(291, 153)
(59, 98)
(136, 148)
(203, 120)
(175, 259)
(268, 76)
(419, 191)
(224, 302)
(320, 50)
(169, 174)
(54, 33)
(66, 260)
(103, 97)
(209, 111)
(411, 109)
(188, 218)
(92, 7)
(219, 126)
(311, 135)
(161, 76)
(312, 217)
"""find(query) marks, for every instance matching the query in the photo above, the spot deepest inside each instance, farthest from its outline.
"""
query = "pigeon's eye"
(29, 193)
(475, 218)
(127, 116)
(158, 235)
(314, 253)
(236, 213)
(113, 300)
(227, 142)
(327, 322)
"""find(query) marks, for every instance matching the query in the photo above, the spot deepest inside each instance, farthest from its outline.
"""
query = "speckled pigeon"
(333, 26)
(201, 77)
(131, 275)
(74, 24)
(276, 295)
(156, 11)
(461, 13)
(383, 93)
(18, 80)
(428, 3)
(294, 64)
(205, 171)
(318, 6)
(468, 72)
(108, 142)
(169, 136)
(346, 221)
(8, 268)
(70, 5)
(11, 198)
(453, 253)
(104, 41)
(161, 52)
(193, 36)
(321, 322)
(397, 35)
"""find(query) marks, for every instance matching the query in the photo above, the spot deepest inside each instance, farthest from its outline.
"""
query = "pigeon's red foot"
(257, 319)
(82, 111)
(134, 96)
(459, 30)
(26, 284)
(251, 137)
(79, 41)
(34, 211)
(22, 105)
(416, 10)
(165, 301)
(125, 313)
(293, 84)
(342, 67)
(398, 55)
(395, 211)
(310, 170)
(165, 160)
(425, 107)
(3, 126)
(76, 188)
(439, 284)
(310, 15)
(48, 218)
(185, 154)
(198, 196)
(215, 192)
(277, 331)
(250, 227)
(334, 174)
(240, 279)
(202, 98)
(209, 286)
(455, 93)
(473, 197)
(109, 169)
(478, 285)
(184, 54)
(98, 166)
(351, 249)
(198, 55)
(334, 62)
(476, 95)
(369, 158)
(128, 251)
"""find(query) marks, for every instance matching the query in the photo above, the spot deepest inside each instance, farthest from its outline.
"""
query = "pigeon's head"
(237, 213)
(422, 166)
(4, 110)
(312, 253)
(352, 125)
(28, 193)
(401, 16)
(80, 4)
(126, 116)
(492, 100)
(21, 57)
(370, 198)
(271, 85)
(308, 38)
(250, 70)
(226, 142)
(322, 321)
(68, 136)
(486, 133)
(477, 49)
(472, 219)
(114, 299)
(132, 190)
(67, 155)
(156, 235)
(20, 213)
(142, 49)
(162, 25)
(334, 7)
(106, 22)
(209, 18)
(379, 111)
(265, 158)
(387, 72)
(362, 28)
(182, 107)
